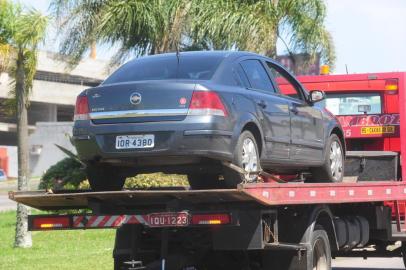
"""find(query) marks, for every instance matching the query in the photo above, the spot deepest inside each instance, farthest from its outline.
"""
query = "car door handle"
(262, 104)
(294, 109)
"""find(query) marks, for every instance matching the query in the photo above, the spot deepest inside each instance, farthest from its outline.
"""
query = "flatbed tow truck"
(271, 225)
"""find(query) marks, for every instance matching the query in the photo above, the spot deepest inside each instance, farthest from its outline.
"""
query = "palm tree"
(258, 25)
(141, 27)
(26, 30)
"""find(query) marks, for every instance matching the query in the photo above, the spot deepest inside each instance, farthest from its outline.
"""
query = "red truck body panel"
(376, 132)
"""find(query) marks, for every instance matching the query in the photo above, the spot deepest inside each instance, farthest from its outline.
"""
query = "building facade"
(52, 100)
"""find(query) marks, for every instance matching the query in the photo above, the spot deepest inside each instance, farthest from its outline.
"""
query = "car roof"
(225, 54)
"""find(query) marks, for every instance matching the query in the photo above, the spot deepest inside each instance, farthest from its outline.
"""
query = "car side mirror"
(317, 95)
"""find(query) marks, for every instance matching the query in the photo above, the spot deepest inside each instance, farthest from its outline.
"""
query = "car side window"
(283, 82)
(257, 75)
(242, 76)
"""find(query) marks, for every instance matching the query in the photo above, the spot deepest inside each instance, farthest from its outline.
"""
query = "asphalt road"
(6, 204)
(369, 264)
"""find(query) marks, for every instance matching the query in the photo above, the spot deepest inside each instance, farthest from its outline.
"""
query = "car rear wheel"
(104, 178)
(246, 156)
(204, 181)
(333, 167)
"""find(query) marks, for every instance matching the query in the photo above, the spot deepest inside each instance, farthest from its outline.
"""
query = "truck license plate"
(178, 219)
(135, 141)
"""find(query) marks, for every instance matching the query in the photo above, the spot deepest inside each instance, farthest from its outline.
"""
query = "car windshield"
(191, 67)
(353, 104)
(1, 173)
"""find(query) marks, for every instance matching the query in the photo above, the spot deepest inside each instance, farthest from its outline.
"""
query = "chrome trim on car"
(208, 132)
(137, 113)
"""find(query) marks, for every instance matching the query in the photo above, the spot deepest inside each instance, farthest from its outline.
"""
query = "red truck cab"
(367, 106)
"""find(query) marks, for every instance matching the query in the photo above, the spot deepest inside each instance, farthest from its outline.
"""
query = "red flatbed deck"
(269, 194)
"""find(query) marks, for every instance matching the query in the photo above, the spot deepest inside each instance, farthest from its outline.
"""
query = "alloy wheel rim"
(249, 157)
(319, 256)
(336, 160)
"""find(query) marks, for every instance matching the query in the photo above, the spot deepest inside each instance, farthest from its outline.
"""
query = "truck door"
(307, 127)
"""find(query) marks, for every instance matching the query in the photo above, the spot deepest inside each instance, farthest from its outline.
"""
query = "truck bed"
(266, 194)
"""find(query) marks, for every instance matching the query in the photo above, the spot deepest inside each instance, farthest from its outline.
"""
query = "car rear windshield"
(191, 67)
(353, 104)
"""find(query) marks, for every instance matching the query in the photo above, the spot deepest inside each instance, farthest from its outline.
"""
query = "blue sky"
(369, 35)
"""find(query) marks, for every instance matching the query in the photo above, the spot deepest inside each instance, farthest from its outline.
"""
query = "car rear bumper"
(176, 143)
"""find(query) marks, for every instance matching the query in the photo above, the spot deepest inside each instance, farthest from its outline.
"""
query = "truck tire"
(246, 156)
(119, 263)
(333, 167)
(320, 256)
(204, 181)
(104, 178)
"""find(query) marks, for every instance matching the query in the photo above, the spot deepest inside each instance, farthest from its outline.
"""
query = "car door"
(273, 110)
(307, 130)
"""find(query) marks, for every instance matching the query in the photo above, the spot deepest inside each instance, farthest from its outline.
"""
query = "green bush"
(143, 181)
(67, 173)
(156, 180)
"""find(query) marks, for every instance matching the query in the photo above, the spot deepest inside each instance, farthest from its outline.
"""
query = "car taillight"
(211, 219)
(391, 86)
(81, 108)
(206, 103)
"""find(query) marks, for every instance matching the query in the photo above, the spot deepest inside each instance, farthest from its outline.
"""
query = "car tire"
(333, 167)
(243, 159)
(104, 178)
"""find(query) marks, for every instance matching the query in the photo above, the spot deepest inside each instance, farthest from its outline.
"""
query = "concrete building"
(52, 99)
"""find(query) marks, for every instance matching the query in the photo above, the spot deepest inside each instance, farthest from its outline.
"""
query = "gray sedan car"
(187, 112)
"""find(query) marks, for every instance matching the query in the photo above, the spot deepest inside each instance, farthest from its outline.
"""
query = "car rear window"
(191, 67)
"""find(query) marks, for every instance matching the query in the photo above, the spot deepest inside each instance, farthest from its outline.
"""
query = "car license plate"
(178, 219)
(135, 141)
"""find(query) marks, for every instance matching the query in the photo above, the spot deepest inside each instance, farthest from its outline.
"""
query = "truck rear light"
(81, 108)
(206, 103)
(49, 223)
(391, 86)
(211, 219)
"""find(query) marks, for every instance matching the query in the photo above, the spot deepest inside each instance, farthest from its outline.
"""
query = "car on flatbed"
(188, 112)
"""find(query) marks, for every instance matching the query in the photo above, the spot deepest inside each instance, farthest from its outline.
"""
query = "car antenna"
(178, 58)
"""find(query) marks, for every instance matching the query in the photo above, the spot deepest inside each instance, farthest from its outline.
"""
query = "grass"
(91, 249)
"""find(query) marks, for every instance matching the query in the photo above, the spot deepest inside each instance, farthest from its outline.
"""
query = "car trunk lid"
(140, 102)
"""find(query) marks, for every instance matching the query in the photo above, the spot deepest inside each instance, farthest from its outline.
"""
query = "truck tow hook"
(134, 265)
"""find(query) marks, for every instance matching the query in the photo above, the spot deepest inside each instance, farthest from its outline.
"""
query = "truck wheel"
(204, 181)
(403, 251)
(119, 263)
(321, 253)
(104, 178)
(333, 167)
(246, 156)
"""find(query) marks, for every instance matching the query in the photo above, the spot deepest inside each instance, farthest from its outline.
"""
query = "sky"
(369, 35)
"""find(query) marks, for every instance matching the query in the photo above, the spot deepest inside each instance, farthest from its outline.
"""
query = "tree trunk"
(23, 236)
